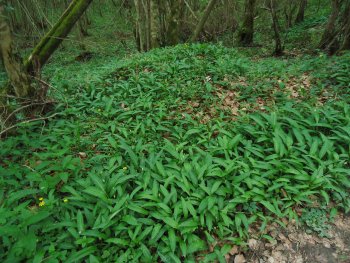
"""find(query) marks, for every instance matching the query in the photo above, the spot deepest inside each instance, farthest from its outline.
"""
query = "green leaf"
(113, 142)
(94, 191)
(74, 257)
(130, 220)
(172, 239)
(36, 218)
(20, 194)
(118, 241)
(171, 222)
(270, 207)
(80, 221)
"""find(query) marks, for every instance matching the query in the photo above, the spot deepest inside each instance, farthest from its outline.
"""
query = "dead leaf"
(123, 106)
(239, 259)
(195, 104)
(234, 250)
(82, 155)
(253, 244)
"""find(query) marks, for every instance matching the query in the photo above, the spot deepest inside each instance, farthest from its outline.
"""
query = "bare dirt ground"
(295, 245)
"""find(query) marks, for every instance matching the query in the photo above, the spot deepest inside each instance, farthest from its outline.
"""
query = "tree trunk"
(328, 40)
(154, 24)
(138, 28)
(51, 41)
(176, 13)
(147, 29)
(18, 79)
(346, 27)
(301, 11)
(278, 43)
(247, 31)
(203, 19)
(289, 10)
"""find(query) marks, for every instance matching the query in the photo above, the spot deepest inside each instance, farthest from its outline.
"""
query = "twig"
(52, 87)
(26, 106)
(192, 12)
(27, 121)
(30, 168)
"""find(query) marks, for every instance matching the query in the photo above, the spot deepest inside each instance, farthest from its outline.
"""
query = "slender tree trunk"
(289, 11)
(83, 25)
(51, 41)
(147, 12)
(247, 31)
(346, 27)
(18, 79)
(203, 19)
(301, 11)
(278, 43)
(154, 24)
(328, 40)
(138, 28)
(176, 13)
(163, 10)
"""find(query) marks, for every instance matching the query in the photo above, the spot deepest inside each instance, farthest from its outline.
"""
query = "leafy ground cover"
(175, 155)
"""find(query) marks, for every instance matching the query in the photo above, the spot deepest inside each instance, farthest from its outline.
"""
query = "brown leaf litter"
(295, 87)
(293, 245)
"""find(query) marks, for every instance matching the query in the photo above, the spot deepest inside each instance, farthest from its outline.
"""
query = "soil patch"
(295, 245)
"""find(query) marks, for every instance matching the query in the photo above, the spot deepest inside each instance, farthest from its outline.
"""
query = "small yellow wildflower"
(65, 200)
(41, 198)
(125, 168)
(42, 203)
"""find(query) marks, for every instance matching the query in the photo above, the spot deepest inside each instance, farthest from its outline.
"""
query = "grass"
(162, 155)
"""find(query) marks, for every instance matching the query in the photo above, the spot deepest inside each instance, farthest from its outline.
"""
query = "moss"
(51, 41)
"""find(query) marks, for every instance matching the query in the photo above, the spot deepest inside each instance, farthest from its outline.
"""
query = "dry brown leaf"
(239, 259)
(234, 250)
(253, 244)
(82, 155)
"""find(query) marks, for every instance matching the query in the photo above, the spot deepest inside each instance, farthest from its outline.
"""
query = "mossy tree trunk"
(146, 25)
(328, 40)
(176, 13)
(138, 27)
(346, 27)
(301, 11)
(203, 19)
(19, 83)
(51, 41)
(289, 10)
(275, 24)
(247, 30)
(157, 23)
(154, 24)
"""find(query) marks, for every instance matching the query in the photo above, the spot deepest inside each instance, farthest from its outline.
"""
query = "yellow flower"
(125, 168)
(41, 198)
(65, 200)
(42, 203)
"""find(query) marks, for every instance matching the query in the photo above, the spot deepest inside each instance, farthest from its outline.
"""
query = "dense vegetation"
(175, 154)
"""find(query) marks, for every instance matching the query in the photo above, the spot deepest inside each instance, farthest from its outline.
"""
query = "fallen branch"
(26, 106)
(27, 121)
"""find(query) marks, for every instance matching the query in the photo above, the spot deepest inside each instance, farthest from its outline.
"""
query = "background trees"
(13, 65)
(154, 23)
(247, 31)
(336, 33)
(19, 73)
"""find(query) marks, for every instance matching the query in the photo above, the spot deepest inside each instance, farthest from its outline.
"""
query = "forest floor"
(195, 151)
(294, 244)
